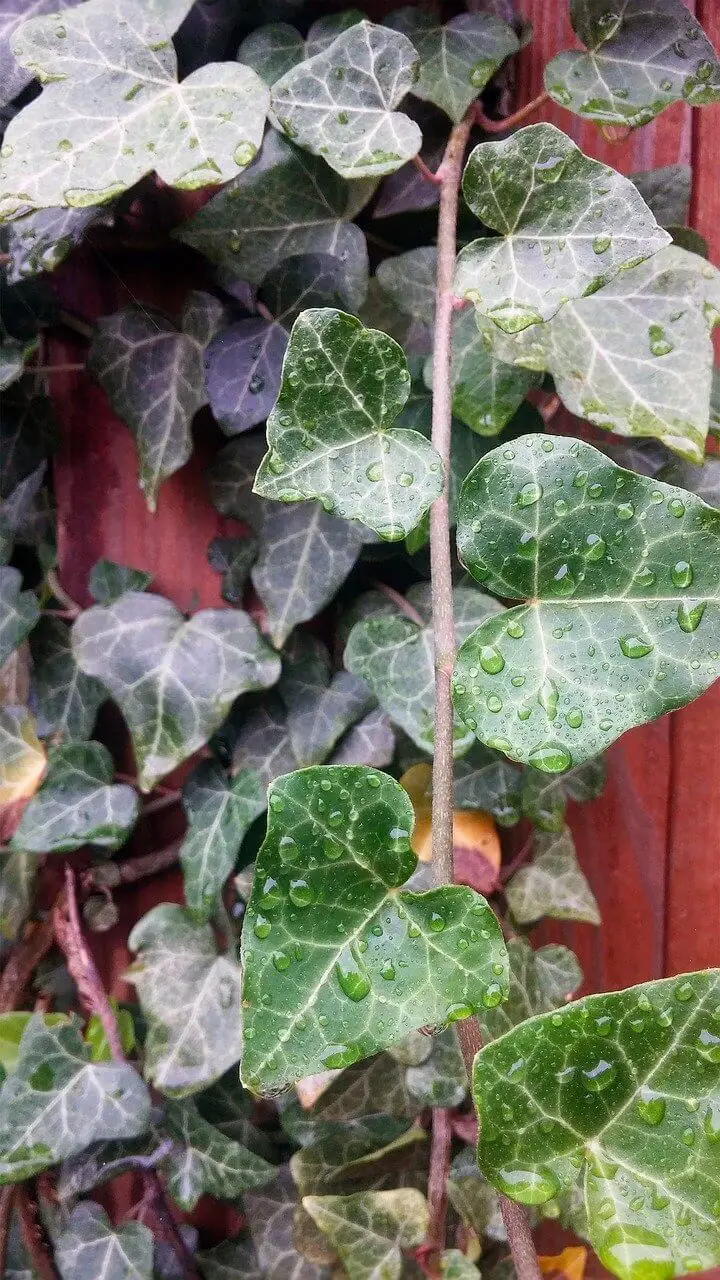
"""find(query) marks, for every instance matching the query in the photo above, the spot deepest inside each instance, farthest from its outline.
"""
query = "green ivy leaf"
(233, 558)
(567, 226)
(358, 1092)
(620, 574)
(324, 983)
(42, 240)
(66, 701)
(371, 741)
(77, 803)
(19, 611)
(112, 111)
(485, 780)
(153, 375)
(204, 1162)
(219, 812)
(552, 884)
(57, 1101)
(472, 1197)
(395, 657)
(544, 798)
(340, 103)
(262, 743)
(456, 60)
(12, 1029)
(329, 433)
(270, 1215)
(486, 392)
(704, 480)
(320, 706)
(288, 203)
(441, 1079)
(324, 30)
(232, 1259)
(272, 50)
(109, 580)
(13, 77)
(455, 1265)
(371, 1228)
(174, 680)
(598, 1094)
(359, 1154)
(89, 1246)
(540, 981)
(17, 882)
(666, 192)
(190, 996)
(409, 282)
(639, 60)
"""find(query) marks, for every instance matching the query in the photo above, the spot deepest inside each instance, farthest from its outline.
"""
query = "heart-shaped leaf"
(89, 1246)
(22, 759)
(618, 1092)
(272, 50)
(19, 611)
(112, 111)
(204, 1162)
(640, 58)
(485, 392)
(371, 741)
(370, 1229)
(324, 30)
(242, 366)
(320, 706)
(288, 203)
(567, 226)
(330, 433)
(622, 580)
(219, 812)
(544, 798)
(552, 884)
(153, 375)
(56, 1102)
(484, 780)
(190, 997)
(77, 803)
(66, 701)
(395, 655)
(666, 192)
(340, 103)
(174, 680)
(109, 580)
(363, 947)
(540, 981)
(456, 60)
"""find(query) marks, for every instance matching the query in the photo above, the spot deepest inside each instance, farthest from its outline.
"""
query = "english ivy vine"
(370, 814)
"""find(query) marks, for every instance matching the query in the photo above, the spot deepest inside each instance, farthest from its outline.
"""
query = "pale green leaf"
(365, 1153)
(57, 1101)
(19, 611)
(90, 1247)
(12, 1030)
(621, 575)
(552, 884)
(190, 996)
(618, 1092)
(456, 60)
(112, 110)
(204, 1162)
(14, 77)
(220, 810)
(340, 103)
(370, 1229)
(174, 680)
(77, 803)
(397, 953)
(485, 780)
(567, 225)
(641, 57)
(66, 701)
(324, 30)
(539, 982)
(455, 1265)
(330, 432)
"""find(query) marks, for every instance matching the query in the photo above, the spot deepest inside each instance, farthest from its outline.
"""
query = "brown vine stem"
(426, 172)
(437, 1183)
(520, 1238)
(402, 604)
(510, 122)
(61, 594)
(33, 1233)
(108, 875)
(7, 1199)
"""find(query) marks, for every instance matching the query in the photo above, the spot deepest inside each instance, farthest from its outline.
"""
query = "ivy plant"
(433, 602)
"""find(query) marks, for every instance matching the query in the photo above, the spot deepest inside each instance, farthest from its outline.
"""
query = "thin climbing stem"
(450, 173)
(401, 603)
(426, 173)
(510, 122)
(441, 1141)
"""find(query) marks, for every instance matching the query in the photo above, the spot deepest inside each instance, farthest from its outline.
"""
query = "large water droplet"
(271, 896)
(660, 344)
(636, 1254)
(594, 547)
(708, 1046)
(551, 169)
(352, 975)
(548, 698)
(676, 508)
(690, 616)
(574, 717)
(281, 961)
(599, 1075)
(262, 927)
(301, 893)
(374, 472)
(635, 646)
(601, 244)
(436, 922)
(550, 757)
(529, 494)
(491, 659)
(650, 1106)
(682, 574)
(515, 629)
(529, 1186)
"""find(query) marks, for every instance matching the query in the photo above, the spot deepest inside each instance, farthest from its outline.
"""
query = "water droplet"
(436, 922)
(601, 244)
(493, 995)
(660, 344)
(244, 153)
(529, 1186)
(650, 1106)
(676, 508)
(271, 896)
(332, 849)
(301, 894)
(551, 169)
(494, 703)
(600, 1075)
(574, 718)
(711, 1122)
(262, 927)
(405, 479)
(625, 511)
(561, 507)
(689, 617)
(580, 479)
(277, 804)
(682, 574)
(684, 991)
(527, 546)
(688, 1137)
(515, 629)
(635, 646)
(373, 781)
(529, 494)
(374, 472)
(352, 975)
(491, 660)
(413, 931)
(645, 578)
(550, 757)
(708, 1046)
(281, 961)
(548, 698)
(388, 971)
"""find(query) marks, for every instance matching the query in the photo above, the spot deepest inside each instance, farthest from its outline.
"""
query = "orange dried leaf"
(476, 844)
(570, 1263)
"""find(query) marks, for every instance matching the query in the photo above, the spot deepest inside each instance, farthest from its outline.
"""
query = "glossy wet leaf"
(567, 225)
(330, 434)
(89, 1247)
(152, 371)
(22, 758)
(396, 657)
(190, 996)
(666, 191)
(56, 1102)
(544, 798)
(621, 575)
(320, 705)
(220, 811)
(371, 1229)
(287, 203)
(112, 111)
(485, 780)
(204, 1162)
(640, 59)
(486, 392)
(13, 76)
(42, 240)
(340, 104)
(270, 1214)
(19, 611)
(174, 680)
(355, 973)
(440, 1080)
(456, 60)
(242, 366)
(540, 981)
(619, 1093)
(66, 701)
(77, 803)
(552, 884)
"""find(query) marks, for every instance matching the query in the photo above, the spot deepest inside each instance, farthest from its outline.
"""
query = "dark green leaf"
(370, 1229)
(90, 1247)
(622, 578)
(270, 1219)
(484, 780)
(112, 111)
(242, 367)
(204, 1162)
(326, 982)
(232, 1259)
(66, 701)
(310, 280)
(472, 1197)
(539, 982)
(371, 741)
(340, 103)
(370, 1087)
(486, 392)
(552, 884)
(263, 743)
(356, 1154)
(440, 1080)
(272, 50)
(190, 997)
(233, 558)
(704, 481)
(666, 191)
(174, 680)
(219, 812)
(19, 611)
(409, 282)
(640, 59)
(618, 1092)
(544, 799)
(567, 226)
(77, 803)
(320, 706)
(109, 580)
